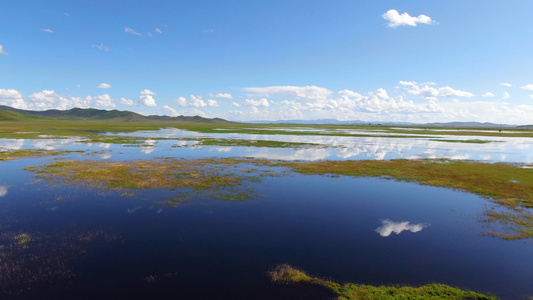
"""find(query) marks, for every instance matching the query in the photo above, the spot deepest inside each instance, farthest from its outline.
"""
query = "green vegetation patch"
(475, 141)
(17, 154)
(510, 186)
(289, 275)
(252, 143)
(203, 177)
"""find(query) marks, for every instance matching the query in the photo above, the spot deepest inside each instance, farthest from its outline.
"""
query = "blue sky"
(413, 61)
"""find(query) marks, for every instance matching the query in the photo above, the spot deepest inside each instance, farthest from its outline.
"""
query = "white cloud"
(221, 95)
(235, 104)
(300, 92)
(146, 98)
(13, 98)
(126, 101)
(488, 94)
(208, 31)
(158, 30)
(530, 96)
(47, 30)
(132, 31)
(389, 227)
(103, 86)
(150, 34)
(196, 101)
(408, 83)
(170, 111)
(528, 87)
(212, 103)
(395, 19)
(262, 102)
(506, 95)
(182, 101)
(506, 84)
(432, 93)
(2, 51)
(104, 101)
(102, 47)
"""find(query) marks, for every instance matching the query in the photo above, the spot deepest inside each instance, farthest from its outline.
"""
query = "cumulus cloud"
(235, 104)
(221, 95)
(170, 111)
(146, 98)
(2, 51)
(104, 101)
(300, 92)
(102, 47)
(506, 84)
(103, 86)
(212, 103)
(196, 101)
(47, 30)
(13, 98)
(506, 95)
(408, 83)
(432, 93)
(131, 30)
(126, 101)
(528, 87)
(389, 227)
(488, 94)
(262, 102)
(395, 19)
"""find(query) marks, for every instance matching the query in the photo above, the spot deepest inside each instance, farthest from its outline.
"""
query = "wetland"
(199, 211)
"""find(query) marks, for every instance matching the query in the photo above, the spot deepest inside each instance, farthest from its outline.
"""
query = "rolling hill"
(8, 113)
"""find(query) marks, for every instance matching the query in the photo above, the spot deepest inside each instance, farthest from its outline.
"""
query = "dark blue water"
(91, 244)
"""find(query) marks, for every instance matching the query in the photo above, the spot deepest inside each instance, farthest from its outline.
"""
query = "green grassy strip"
(350, 291)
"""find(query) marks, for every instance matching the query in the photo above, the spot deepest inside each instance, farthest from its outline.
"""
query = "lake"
(64, 241)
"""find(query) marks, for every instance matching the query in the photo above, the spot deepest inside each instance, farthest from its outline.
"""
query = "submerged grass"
(510, 186)
(289, 275)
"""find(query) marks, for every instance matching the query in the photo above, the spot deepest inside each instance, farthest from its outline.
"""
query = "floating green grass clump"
(289, 275)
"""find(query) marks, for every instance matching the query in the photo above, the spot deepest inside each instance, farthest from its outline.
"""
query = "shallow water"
(96, 243)
(497, 149)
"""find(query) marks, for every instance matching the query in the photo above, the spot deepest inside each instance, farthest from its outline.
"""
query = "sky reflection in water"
(499, 149)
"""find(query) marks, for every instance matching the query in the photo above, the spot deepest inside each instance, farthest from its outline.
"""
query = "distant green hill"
(12, 116)
(8, 113)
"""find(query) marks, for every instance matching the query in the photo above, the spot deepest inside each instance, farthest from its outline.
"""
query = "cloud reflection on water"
(389, 227)
(3, 190)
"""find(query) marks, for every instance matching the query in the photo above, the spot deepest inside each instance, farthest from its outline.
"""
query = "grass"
(289, 275)
(251, 143)
(509, 186)
(17, 154)
(203, 177)
(14, 127)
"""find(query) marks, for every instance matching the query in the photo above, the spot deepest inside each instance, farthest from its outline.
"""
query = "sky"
(382, 60)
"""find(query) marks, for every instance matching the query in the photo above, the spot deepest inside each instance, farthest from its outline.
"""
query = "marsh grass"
(288, 275)
(18, 154)
(207, 178)
(510, 186)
